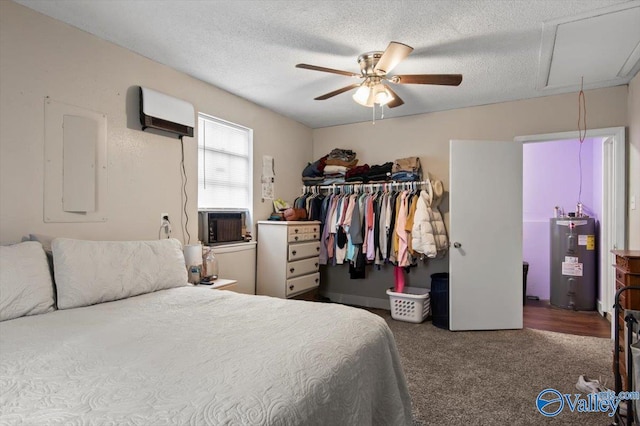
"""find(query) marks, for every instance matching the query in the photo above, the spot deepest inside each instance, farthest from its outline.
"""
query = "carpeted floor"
(494, 377)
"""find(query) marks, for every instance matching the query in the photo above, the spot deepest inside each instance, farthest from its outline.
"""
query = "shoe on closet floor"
(586, 385)
(622, 409)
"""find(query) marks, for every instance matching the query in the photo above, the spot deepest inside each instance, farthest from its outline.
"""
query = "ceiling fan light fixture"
(381, 94)
(362, 95)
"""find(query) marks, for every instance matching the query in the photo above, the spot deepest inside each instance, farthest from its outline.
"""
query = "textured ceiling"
(250, 48)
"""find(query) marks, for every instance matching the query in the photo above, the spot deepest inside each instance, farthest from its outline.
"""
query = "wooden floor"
(540, 315)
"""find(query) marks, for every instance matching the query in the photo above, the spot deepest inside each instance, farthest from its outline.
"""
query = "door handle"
(457, 245)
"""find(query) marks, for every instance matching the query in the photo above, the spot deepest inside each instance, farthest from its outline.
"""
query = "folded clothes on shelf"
(345, 155)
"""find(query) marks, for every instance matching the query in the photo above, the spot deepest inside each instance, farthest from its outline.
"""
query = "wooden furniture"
(221, 284)
(627, 274)
(287, 258)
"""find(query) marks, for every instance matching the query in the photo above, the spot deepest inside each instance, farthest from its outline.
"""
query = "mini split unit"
(164, 112)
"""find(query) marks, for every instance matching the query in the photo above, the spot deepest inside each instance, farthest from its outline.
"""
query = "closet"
(376, 223)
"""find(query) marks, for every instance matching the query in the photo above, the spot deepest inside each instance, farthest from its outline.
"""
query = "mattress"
(198, 356)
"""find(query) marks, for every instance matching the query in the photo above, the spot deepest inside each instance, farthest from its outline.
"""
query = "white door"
(485, 259)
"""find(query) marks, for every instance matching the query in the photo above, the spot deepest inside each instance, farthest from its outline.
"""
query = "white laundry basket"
(412, 305)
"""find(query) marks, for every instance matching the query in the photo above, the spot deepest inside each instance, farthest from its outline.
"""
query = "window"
(224, 165)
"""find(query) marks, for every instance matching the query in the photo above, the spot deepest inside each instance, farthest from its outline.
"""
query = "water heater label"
(587, 240)
(572, 269)
(570, 259)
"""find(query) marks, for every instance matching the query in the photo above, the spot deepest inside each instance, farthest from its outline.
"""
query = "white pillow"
(90, 272)
(25, 281)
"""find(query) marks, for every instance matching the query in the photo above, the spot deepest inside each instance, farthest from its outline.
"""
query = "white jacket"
(428, 235)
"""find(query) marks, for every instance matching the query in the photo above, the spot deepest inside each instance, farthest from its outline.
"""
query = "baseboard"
(350, 299)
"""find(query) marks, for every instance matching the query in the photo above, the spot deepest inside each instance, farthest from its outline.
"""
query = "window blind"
(224, 165)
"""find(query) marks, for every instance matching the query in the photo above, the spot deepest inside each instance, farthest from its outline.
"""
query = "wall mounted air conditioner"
(164, 112)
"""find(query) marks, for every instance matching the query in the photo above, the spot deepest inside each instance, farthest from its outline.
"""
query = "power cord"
(582, 133)
(184, 196)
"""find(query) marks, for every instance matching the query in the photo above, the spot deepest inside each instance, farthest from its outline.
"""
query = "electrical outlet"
(163, 216)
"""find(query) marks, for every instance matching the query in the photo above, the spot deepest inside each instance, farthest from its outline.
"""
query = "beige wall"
(428, 135)
(634, 163)
(40, 57)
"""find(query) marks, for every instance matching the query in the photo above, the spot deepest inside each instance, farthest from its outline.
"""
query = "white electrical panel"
(75, 164)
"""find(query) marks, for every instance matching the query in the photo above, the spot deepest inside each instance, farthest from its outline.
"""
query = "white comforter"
(202, 357)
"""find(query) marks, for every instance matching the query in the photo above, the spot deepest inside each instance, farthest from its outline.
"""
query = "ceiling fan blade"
(337, 92)
(391, 57)
(323, 69)
(442, 79)
(396, 99)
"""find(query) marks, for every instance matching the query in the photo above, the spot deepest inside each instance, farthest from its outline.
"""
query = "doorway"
(556, 158)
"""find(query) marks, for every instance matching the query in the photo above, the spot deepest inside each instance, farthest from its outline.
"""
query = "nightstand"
(221, 284)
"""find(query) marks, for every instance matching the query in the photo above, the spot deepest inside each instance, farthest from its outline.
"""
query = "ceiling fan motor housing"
(368, 62)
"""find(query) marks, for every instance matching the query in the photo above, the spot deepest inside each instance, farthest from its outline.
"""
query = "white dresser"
(287, 258)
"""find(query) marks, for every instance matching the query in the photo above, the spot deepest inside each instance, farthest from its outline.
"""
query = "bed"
(192, 355)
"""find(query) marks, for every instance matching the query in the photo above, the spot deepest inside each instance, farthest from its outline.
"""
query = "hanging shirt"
(401, 223)
(341, 236)
(383, 227)
(324, 239)
(413, 203)
(371, 248)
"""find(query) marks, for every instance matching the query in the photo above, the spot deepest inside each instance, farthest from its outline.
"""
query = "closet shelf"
(371, 185)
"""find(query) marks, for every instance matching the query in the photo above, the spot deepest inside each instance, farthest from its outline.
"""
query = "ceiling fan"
(374, 69)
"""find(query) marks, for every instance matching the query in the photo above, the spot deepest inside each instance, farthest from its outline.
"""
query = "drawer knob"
(318, 248)
(315, 236)
(316, 264)
(293, 253)
(291, 287)
(292, 269)
(295, 230)
(317, 279)
(296, 238)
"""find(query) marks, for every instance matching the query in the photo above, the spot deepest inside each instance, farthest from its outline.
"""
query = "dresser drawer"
(312, 229)
(303, 250)
(301, 284)
(302, 267)
(627, 279)
(297, 230)
(293, 238)
(629, 299)
(628, 263)
(303, 233)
